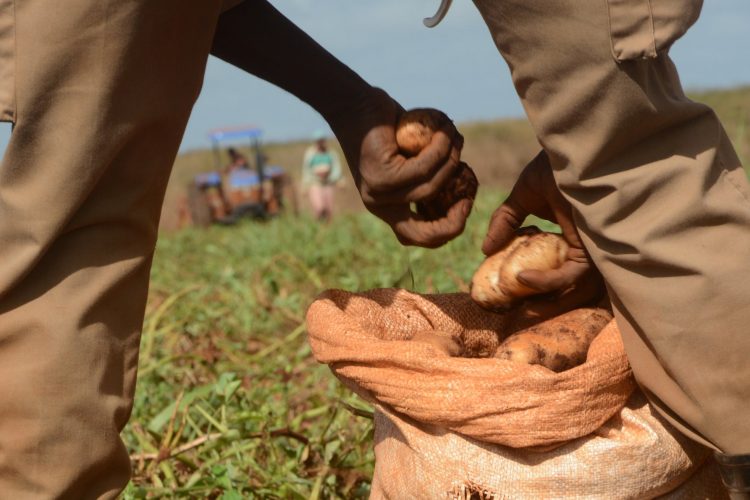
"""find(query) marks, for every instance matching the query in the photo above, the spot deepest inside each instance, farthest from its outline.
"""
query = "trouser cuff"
(735, 473)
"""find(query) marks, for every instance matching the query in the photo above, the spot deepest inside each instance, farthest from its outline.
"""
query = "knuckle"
(372, 206)
(422, 192)
(382, 178)
(458, 226)
(367, 198)
(404, 234)
(434, 185)
(379, 184)
(505, 215)
(433, 241)
(440, 147)
(403, 239)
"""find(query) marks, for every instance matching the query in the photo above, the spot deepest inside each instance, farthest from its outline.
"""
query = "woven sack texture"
(462, 428)
(635, 455)
(363, 337)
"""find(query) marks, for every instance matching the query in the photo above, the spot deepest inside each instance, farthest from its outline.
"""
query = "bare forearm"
(257, 38)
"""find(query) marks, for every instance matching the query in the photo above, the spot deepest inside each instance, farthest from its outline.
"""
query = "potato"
(414, 132)
(559, 343)
(415, 128)
(495, 284)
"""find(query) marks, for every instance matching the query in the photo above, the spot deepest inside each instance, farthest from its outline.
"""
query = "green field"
(225, 336)
(229, 402)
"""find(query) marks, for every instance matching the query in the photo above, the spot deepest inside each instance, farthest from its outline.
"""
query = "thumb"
(553, 279)
(503, 224)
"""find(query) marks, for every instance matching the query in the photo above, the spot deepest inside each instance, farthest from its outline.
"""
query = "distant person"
(321, 171)
(236, 161)
(242, 185)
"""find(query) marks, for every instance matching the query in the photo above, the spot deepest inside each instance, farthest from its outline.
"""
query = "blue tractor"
(244, 188)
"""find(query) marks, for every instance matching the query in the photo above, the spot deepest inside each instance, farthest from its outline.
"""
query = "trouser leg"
(103, 92)
(317, 200)
(658, 194)
(328, 192)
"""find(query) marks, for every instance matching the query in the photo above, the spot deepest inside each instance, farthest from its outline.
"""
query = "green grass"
(224, 356)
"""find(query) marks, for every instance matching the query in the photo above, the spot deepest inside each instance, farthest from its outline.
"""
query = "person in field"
(643, 181)
(321, 172)
(236, 161)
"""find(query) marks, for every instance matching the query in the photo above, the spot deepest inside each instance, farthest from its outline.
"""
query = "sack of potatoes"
(475, 400)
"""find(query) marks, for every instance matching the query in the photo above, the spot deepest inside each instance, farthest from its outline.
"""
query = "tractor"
(250, 189)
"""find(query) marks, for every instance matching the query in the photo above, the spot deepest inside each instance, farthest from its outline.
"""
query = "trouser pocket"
(641, 29)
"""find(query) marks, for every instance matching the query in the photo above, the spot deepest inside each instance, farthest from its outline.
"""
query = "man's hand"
(388, 182)
(577, 282)
(256, 37)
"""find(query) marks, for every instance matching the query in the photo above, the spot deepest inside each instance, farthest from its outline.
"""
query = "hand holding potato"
(576, 281)
(389, 182)
(414, 132)
(496, 284)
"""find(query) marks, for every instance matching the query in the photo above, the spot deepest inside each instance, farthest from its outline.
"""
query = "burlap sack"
(363, 337)
(635, 455)
(486, 428)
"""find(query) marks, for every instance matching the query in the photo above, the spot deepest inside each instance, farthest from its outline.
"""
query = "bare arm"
(257, 38)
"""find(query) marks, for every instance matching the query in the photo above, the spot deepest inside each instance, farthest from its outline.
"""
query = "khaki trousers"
(100, 92)
(658, 193)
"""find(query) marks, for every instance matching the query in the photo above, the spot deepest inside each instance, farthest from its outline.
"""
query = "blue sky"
(454, 67)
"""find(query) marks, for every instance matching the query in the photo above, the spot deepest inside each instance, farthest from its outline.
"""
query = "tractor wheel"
(200, 210)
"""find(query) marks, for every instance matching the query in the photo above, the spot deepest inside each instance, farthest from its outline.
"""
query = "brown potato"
(495, 284)
(415, 128)
(559, 343)
(414, 132)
